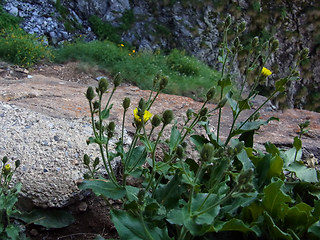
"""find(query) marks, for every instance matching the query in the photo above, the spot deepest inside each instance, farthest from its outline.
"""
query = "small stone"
(75, 162)
(44, 143)
(56, 138)
(45, 170)
(29, 76)
(34, 232)
(83, 207)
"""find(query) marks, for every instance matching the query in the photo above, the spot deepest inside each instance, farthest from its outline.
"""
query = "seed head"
(163, 82)
(126, 103)
(117, 80)
(156, 120)
(103, 85)
(90, 94)
(86, 160)
(167, 117)
(207, 152)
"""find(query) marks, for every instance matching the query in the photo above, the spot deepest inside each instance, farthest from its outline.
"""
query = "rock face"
(193, 26)
(45, 123)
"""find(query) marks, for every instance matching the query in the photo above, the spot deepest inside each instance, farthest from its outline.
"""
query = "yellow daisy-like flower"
(266, 72)
(146, 116)
(6, 169)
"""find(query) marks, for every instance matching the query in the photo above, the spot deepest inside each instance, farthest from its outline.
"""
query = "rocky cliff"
(191, 25)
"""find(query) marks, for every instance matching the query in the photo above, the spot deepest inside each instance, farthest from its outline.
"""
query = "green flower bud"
(304, 54)
(180, 152)
(184, 144)
(222, 103)
(227, 22)
(203, 119)
(210, 94)
(17, 163)
(156, 79)
(242, 27)
(96, 162)
(207, 152)
(245, 177)
(237, 42)
(111, 126)
(304, 124)
(156, 120)
(117, 80)
(189, 113)
(238, 148)
(274, 45)
(126, 103)
(163, 82)
(203, 112)
(4, 159)
(96, 105)
(167, 117)
(142, 108)
(103, 85)
(255, 42)
(86, 160)
(97, 124)
(90, 94)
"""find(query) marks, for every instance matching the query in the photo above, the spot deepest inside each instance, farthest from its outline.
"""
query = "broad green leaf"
(224, 82)
(99, 237)
(289, 156)
(274, 231)
(190, 223)
(176, 216)
(315, 229)
(233, 103)
(271, 148)
(174, 138)
(138, 157)
(247, 138)
(249, 126)
(275, 201)
(262, 169)
(49, 218)
(239, 200)
(106, 112)
(245, 160)
(280, 84)
(238, 225)
(131, 227)
(302, 172)
(198, 141)
(1, 228)
(170, 193)
(298, 217)
(276, 165)
(132, 193)
(13, 232)
(148, 144)
(244, 104)
(297, 143)
(102, 187)
(217, 172)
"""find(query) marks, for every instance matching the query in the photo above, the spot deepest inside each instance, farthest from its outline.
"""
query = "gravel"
(50, 150)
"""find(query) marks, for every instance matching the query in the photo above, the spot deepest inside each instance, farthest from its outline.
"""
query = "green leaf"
(302, 172)
(238, 225)
(131, 227)
(217, 172)
(106, 112)
(280, 84)
(245, 160)
(138, 157)
(315, 229)
(233, 103)
(273, 230)
(102, 187)
(297, 143)
(99, 237)
(132, 193)
(13, 232)
(298, 217)
(170, 193)
(49, 218)
(224, 82)
(238, 201)
(289, 156)
(275, 200)
(249, 126)
(174, 138)
(247, 138)
(276, 165)
(271, 148)
(198, 141)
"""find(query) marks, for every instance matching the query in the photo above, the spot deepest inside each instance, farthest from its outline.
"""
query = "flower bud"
(227, 22)
(103, 85)
(96, 162)
(86, 160)
(163, 83)
(156, 79)
(111, 126)
(90, 93)
(189, 113)
(203, 112)
(237, 42)
(207, 152)
(126, 103)
(274, 45)
(255, 42)
(210, 94)
(156, 120)
(17, 163)
(304, 54)
(117, 80)
(167, 117)
(96, 105)
(242, 27)
(222, 103)
(142, 107)
(238, 148)
(5, 160)
(180, 152)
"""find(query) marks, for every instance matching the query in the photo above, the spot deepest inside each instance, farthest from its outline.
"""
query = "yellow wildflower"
(6, 169)
(146, 116)
(133, 51)
(266, 72)
(121, 45)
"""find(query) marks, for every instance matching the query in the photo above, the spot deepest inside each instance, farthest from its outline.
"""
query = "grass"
(187, 75)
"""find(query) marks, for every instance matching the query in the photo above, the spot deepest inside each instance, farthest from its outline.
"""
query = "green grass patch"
(187, 75)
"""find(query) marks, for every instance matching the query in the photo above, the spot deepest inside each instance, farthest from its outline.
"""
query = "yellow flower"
(146, 116)
(6, 169)
(121, 45)
(266, 72)
(133, 51)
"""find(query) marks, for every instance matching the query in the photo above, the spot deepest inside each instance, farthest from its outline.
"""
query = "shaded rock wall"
(194, 26)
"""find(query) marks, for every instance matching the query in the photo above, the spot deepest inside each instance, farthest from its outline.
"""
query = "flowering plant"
(231, 186)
